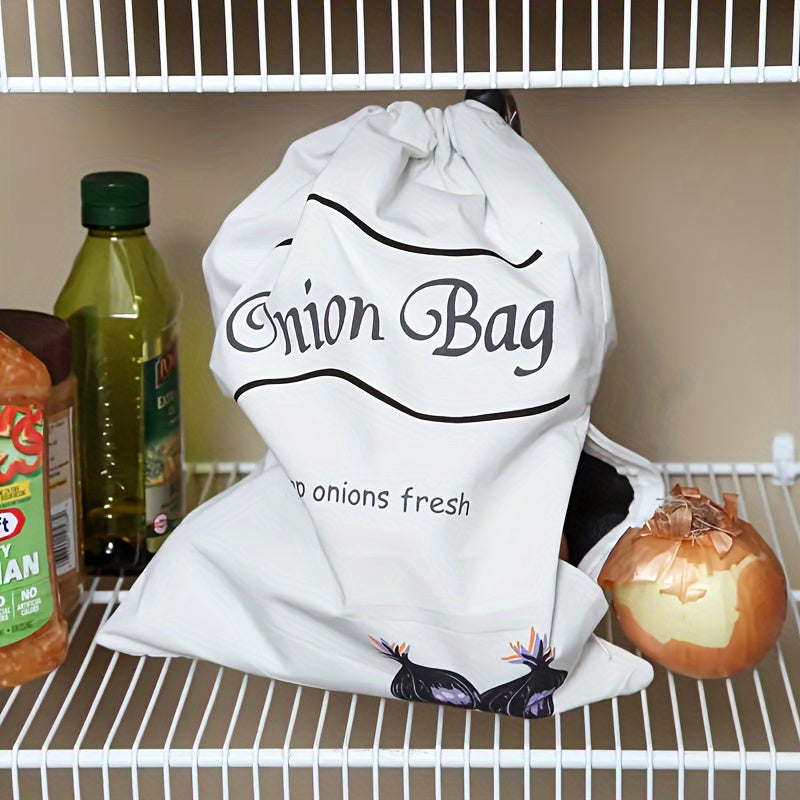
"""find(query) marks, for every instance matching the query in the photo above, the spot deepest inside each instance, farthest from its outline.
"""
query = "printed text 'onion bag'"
(414, 313)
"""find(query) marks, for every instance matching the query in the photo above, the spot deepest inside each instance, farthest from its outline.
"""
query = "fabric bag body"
(414, 314)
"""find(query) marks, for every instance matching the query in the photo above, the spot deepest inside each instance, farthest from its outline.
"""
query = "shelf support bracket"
(783, 457)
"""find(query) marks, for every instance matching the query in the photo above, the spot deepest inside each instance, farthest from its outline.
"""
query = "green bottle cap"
(115, 200)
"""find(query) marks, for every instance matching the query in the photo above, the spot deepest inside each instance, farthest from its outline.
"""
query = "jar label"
(163, 462)
(26, 594)
(63, 500)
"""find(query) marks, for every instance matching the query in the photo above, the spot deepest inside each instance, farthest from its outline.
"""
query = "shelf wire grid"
(106, 724)
(326, 45)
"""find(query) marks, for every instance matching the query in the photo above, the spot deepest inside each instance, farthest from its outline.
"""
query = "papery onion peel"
(696, 589)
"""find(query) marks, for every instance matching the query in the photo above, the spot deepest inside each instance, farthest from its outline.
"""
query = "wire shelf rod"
(173, 727)
(296, 68)
(362, 57)
(211, 475)
(351, 715)
(526, 43)
(76, 781)
(323, 712)
(595, 43)
(419, 758)
(495, 761)
(427, 47)
(437, 770)
(229, 62)
(397, 82)
(262, 44)
(762, 40)
(376, 749)
(617, 734)
(728, 58)
(115, 726)
(226, 747)
(559, 754)
(493, 44)
(287, 743)
(526, 766)
(3, 66)
(256, 748)
(197, 49)
(162, 46)
(212, 698)
(328, 34)
(626, 45)
(701, 693)
(66, 48)
(33, 44)
(466, 754)
(460, 82)
(559, 43)
(737, 726)
(693, 43)
(587, 738)
(131, 44)
(648, 737)
(135, 748)
(406, 751)
(540, 79)
(99, 44)
(702, 469)
(773, 771)
(660, 44)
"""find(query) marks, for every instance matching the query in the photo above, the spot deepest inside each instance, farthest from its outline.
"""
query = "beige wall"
(694, 194)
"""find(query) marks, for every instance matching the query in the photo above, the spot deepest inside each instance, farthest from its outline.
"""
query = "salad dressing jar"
(48, 338)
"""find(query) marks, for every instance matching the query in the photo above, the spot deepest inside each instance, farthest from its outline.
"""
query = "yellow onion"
(697, 589)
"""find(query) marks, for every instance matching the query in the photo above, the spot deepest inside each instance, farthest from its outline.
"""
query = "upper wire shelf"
(333, 45)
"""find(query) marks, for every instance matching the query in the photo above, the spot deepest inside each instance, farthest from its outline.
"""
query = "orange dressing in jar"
(33, 633)
(48, 338)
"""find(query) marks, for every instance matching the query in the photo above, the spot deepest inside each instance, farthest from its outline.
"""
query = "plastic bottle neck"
(105, 233)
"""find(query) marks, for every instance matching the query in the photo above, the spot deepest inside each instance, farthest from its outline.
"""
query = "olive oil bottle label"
(163, 462)
(26, 594)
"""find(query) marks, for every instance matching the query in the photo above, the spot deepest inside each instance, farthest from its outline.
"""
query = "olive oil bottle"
(122, 307)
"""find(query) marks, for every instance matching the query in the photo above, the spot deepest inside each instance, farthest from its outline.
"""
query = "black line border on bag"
(411, 248)
(390, 401)
(414, 248)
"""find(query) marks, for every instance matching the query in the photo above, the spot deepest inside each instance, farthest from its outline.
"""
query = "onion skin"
(672, 564)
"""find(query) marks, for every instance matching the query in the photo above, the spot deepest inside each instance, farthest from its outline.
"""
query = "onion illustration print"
(528, 696)
(531, 695)
(422, 684)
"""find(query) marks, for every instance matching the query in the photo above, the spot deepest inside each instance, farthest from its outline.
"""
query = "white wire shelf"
(106, 724)
(328, 45)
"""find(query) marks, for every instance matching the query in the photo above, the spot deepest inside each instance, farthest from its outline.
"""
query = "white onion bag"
(414, 313)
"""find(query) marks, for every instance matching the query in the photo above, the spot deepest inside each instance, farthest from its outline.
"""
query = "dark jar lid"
(42, 335)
